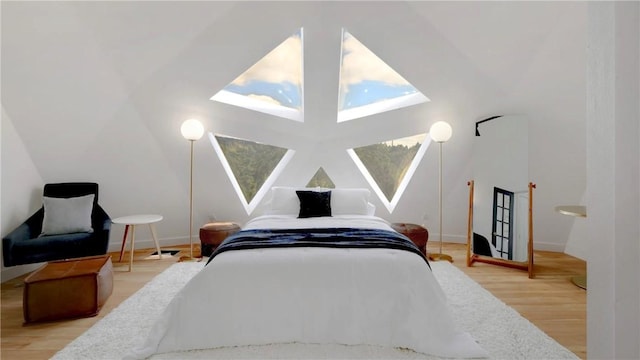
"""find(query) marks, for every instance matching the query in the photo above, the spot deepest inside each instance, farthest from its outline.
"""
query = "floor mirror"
(500, 225)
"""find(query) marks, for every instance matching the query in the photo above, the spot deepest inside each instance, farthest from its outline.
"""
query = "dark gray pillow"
(314, 203)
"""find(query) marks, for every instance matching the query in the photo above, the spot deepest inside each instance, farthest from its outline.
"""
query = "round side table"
(132, 221)
(577, 211)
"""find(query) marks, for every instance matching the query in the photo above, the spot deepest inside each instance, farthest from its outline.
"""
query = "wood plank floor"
(550, 301)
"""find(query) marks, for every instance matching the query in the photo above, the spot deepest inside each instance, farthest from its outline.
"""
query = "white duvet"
(311, 295)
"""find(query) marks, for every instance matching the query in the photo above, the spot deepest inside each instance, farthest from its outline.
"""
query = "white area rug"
(497, 327)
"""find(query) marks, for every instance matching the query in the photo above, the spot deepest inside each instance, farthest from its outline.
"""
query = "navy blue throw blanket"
(323, 237)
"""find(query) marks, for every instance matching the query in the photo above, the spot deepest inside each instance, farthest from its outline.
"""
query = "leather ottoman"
(68, 289)
(213, 234)
(418, 234)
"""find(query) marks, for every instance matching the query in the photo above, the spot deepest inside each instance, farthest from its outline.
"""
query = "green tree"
(387, 164)
(250, 162)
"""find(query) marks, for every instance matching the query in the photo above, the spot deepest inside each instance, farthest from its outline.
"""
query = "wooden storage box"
(213, 234)
(418, 234)
(68, 289)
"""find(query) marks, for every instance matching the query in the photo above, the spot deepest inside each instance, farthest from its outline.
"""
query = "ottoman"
(213, 234)
(68, 289)
(418, 234)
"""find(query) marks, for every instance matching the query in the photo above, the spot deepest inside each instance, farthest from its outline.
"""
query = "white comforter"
(311, 295)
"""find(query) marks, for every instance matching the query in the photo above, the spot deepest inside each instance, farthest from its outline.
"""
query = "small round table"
(132, 221)
(577, 211)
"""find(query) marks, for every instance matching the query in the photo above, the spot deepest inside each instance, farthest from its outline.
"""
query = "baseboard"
(544, 246)
(13, 272)
(461, 239)
(456, 239)
(149, 244)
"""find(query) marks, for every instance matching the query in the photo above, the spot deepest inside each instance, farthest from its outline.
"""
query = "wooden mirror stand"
(521, 265)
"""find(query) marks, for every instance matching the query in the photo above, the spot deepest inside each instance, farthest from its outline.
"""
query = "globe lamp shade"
(440, 132)
(192, 129)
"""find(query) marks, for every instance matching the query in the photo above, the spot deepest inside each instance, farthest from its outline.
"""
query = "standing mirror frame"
(500, 227)
(472, 257)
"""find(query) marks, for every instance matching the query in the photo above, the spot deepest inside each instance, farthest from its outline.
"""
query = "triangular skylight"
(252, 167)
(321, 179)
(388, 166)
(273, 85)
(368, 85)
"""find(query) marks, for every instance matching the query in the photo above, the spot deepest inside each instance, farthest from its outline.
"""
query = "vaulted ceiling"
(98, 90)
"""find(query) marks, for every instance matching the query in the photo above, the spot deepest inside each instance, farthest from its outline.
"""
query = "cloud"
(282, 64)
(264, 98)
(360, 63)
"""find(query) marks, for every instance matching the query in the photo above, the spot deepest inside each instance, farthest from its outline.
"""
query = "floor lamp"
(191, 130)
(440, 132)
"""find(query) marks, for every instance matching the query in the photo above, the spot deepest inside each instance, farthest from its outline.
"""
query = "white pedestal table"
(132, 221)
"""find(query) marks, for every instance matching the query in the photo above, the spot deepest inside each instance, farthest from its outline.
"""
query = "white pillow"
(371, 209)
(284, 201)
(67, 215)
(353, 201)
(344, 201)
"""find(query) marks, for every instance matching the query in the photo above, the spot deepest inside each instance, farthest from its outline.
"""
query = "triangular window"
(368, 85)
(273, 85)
(388, 166)
(252, 167)
(321, 179)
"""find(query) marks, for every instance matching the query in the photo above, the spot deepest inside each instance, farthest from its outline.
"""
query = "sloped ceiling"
(98, 90)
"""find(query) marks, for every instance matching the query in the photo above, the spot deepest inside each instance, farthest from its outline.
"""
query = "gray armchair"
(26, 245)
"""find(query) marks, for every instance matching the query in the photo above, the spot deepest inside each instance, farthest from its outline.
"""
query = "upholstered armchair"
(70, 224)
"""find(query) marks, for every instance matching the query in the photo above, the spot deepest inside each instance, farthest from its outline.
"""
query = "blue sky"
(285, 93)
(365, 79)
(371, 91)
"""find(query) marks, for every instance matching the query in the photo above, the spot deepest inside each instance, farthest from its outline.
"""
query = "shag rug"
(498, 328)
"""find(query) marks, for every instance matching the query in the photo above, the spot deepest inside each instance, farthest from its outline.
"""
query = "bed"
(300, 292)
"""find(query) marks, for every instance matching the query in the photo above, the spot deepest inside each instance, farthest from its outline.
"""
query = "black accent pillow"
(314, 203)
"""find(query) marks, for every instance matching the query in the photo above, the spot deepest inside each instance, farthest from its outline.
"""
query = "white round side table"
(577, 211)
(132, 221)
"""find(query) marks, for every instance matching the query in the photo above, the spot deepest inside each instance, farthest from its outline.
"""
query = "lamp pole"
(191, 130)
(440, 132)
(191, 203)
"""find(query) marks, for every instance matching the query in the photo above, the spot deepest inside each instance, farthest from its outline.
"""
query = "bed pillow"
(371, 209)
(352, 201)
(314, 203)
(284, 201)
(67, 215)
(344, 201)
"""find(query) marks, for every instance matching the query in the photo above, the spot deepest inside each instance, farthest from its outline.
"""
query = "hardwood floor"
(550, 301)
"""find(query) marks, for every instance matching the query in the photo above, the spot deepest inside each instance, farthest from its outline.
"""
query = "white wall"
(557, 128)
(97, 91)
(21, 187)
(613, 180)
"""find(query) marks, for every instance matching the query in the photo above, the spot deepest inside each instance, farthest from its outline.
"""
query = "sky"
(364, 78)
